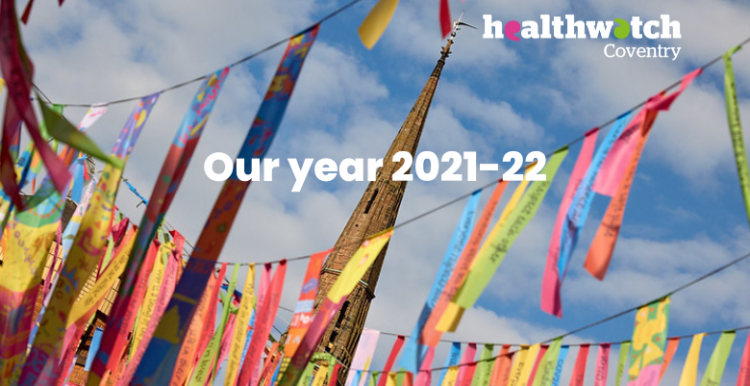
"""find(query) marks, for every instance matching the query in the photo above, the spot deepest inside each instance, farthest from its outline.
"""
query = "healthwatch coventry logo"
(570, 28)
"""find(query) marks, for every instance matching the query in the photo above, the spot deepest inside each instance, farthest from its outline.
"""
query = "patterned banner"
(414, 353)
(392, 357)
(430, 335)
(548, 366)
(368, 342)
(602, 365)
(169, 179)
(468, 366)
(551, 282)
(159, 360)
(501, 368)
(690, 369)
(649, 341)
(376, 22)
(243, 317)
(483, 373)
(494, 249)
(352, 273)
(715, 368)
(579, 371)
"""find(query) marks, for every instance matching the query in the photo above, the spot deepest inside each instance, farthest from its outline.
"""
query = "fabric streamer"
(560, 363)
(392, 357)
(168, 182)
(600, 253)
(579, 371)
(715, 369)
(527, 367)
(602, 365)
(159, 360)
(518, 364)
(430, 335)
(649, 341)
(551, 281)
(545, 372)
(501, 368)
(621, 362)
(690, 369)
(735, 127)
(468, 366)
(743, 378)
(483, 372)
(94, 347)
(451, 376)
(451, 360)
(376, 22)
(243, 317)
(539, 358)
(494, 249)
(446, 23)
(368, 342)
(352, 273)
(672, 344)
(414, 352)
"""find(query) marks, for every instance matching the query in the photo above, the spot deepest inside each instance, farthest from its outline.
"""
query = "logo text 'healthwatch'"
(552, 27)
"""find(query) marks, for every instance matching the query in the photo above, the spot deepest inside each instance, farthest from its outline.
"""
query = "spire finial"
(456, 27)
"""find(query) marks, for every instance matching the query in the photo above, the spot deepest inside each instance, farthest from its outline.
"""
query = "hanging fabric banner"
(501, 369)
(579, 371)
(185, 360)
(483, 373)
(560, 363)
(494, 249)
(539, 357)
(368, 341)
(518, 364)
(690, 369)
(548, 365)
(165, 290)
(621, 362)
(672, 344)
(243, 317)
(735, 127)
(267, 312)
(551, 282)
(41, 366)
(603, 245)
(527, 366)
(430, 335)
(451, 360)
(614, 165)
(352, 273)
(581, 204)
(152, 293)
(303, 312)
(414, 352)
(649, 341)
(468, 366)
(743, 378)
(451, 376)
(715, 368)
(602, 365)
(392, 357)
(376, 22)
(446, 22)
(424, 377)
(159, 360)
(169, 179)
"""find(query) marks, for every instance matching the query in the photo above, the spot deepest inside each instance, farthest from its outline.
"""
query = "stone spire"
(377, 210)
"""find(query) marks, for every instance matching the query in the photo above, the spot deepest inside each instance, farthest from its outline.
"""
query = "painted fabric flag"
(501, 368)
(266, 315)
(525, 369)
(715, 368)
(468, 366)
(743, 378)
(352, 273)
(548, 366)
(579, 371)
(41, 366)
(430, 335)
(451, 360)
(368, 342)
(169, 179)
(621, 362)
(451, 376)
(162, 353)
(376, 22)
(649, 342)
(551, 281)
(392, 357)
(560, 363)
(414, 352)
(539, 357)
(735, 127)
(483, 372)
(690, 369)
(672, 344)
(243, 317)
(494, 250)
(602, 365)
(603, 245)
(518, 364)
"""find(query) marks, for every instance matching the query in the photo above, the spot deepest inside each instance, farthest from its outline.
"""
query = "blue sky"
(685, 215)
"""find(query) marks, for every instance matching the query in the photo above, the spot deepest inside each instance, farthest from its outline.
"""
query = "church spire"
(377, 210)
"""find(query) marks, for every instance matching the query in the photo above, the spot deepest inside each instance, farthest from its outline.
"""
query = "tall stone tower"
(376, 211)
